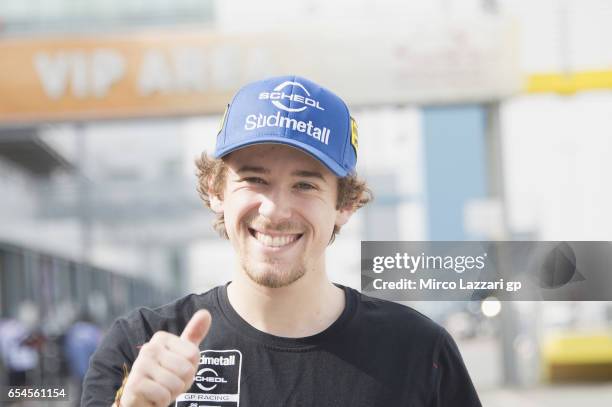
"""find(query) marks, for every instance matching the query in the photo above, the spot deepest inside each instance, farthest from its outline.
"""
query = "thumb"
(197, 327)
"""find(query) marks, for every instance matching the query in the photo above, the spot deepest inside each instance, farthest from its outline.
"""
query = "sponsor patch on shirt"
(217, 380)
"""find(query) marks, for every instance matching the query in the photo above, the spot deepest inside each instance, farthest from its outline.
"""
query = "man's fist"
(166, 365)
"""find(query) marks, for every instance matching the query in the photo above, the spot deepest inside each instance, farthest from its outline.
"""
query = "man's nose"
(274, 206)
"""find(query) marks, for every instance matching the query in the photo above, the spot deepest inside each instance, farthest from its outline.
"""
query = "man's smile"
(274, 239)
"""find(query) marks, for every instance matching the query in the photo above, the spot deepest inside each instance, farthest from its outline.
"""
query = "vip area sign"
(165, 73)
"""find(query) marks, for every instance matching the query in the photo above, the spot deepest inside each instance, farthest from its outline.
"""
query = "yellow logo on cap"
(354, 135)
(223, 119)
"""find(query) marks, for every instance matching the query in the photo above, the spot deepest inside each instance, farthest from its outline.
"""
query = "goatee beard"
(274, 277)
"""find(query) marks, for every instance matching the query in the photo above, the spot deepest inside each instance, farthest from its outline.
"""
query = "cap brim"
(275, 139)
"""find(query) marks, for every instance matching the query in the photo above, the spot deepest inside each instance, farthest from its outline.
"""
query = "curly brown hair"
(353, 193)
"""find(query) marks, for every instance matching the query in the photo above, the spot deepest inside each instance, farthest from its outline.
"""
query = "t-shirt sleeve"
(105, 372)
(453, 385)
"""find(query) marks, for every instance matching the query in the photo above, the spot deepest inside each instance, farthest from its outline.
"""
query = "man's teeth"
(275, 241)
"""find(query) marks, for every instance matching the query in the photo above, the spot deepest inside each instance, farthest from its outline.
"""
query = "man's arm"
(107, 367)
(453, 385)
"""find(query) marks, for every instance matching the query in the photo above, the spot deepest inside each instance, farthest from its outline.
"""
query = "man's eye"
(305, 186)
(253, 180)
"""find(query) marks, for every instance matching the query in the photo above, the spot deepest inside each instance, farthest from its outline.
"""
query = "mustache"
(286, 226)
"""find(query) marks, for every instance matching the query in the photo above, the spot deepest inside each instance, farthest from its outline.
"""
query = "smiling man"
(282, 183)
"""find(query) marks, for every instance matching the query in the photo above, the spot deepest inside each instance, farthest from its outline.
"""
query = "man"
(282, 184)
(80, 342)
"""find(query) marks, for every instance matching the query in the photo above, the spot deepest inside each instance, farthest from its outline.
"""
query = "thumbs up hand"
(197, 328)
(166, 365)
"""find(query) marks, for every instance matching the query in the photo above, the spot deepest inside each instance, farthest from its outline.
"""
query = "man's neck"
(304, 308)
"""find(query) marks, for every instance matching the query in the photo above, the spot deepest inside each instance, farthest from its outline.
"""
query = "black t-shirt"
(377, 353)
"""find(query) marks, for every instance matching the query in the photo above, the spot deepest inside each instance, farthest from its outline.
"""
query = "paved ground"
(549, 396)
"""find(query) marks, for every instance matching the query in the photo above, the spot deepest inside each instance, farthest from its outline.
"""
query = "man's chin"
(274, 276)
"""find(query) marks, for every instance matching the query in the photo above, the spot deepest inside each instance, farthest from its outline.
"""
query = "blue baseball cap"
(293, 111)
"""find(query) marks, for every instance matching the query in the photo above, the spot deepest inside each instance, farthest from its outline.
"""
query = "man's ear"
(216, 203)
(343, 215)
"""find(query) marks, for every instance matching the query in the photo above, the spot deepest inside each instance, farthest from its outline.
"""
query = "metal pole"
(84, 191)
